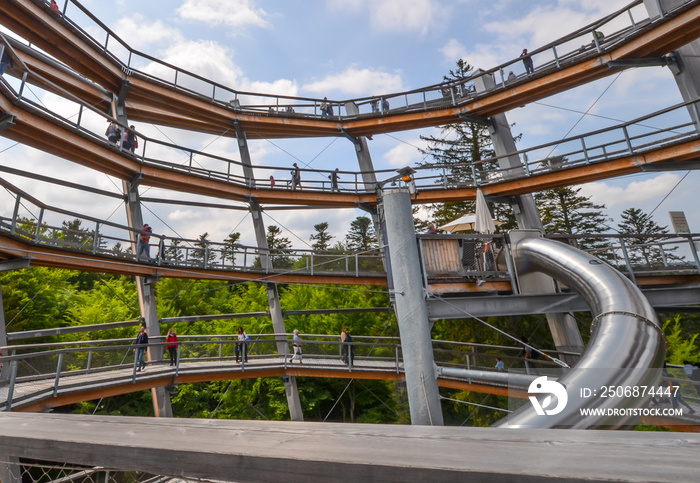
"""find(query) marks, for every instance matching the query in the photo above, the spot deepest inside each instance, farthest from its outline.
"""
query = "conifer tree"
(636, 222)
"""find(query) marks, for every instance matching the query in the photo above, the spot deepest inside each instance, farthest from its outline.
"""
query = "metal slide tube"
(488, 376)
(626, 346)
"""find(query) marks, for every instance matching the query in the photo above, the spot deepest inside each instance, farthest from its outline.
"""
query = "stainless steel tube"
(626, 348)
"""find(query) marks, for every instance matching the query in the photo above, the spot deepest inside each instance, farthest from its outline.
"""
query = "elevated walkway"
(190, 102)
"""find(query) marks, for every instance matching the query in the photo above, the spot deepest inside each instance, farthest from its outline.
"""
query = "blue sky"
(352, 48)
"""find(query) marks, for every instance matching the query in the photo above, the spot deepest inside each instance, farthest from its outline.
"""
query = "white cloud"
(232, 13)
(141, 34)
(454, 50)
(357, 82)
(406, 154)
(398, 15)
(205, 58)
(630, 194)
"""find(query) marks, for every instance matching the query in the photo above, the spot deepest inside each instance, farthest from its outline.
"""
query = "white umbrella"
(484, 222)
(463, 223)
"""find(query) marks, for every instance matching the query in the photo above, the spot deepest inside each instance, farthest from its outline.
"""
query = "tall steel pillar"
(273, 299)
(411, 309)
(369, 178)
(10, 470)
(686, 69)
(145, 286)
(563, 327)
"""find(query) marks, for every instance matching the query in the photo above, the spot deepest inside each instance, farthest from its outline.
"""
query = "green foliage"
(36, 298)
(681, 346)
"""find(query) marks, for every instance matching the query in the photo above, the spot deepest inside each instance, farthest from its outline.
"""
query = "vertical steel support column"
(144, 286)
(4, 375)
(273, 299)
(411, 310)
(687, 70)
(565, 332)
(369, 180)
(10, 470)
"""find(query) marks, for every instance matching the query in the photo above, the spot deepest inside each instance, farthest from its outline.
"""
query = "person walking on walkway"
(296, 177)
(172, 346)
(296, 340)
(343, 346)
(142, 342)
(350, 351)
(242, 346)
(334, 180)
(527, 62)
(144, 242)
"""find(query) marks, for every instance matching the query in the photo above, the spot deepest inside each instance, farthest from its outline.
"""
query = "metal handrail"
(559, 57)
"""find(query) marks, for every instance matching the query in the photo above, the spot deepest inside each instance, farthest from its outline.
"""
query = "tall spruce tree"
(460, 157)
(279, 247)
(203, 254)
(636, 222)
(321, 238)
(228, 253)
(563, 210)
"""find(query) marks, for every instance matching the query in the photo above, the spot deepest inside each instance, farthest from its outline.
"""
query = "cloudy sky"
(353, 48)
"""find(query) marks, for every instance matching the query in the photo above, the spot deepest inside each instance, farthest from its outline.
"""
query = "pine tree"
(203, 254)
(228, 252)
(174, 251)
(563, 210)
(279, 248)
(321, 238)
(636, 222)
(361, 237)
(74, 234)
(456, 157)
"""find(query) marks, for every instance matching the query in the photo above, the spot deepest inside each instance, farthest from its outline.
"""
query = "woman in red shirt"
(172, 348)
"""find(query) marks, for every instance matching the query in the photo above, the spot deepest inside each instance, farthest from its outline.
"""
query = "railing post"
(80, 114)
(585, 151)
(663, 255)
(396, 357)
(37, 232)
(96, 238)
(627, 261)
(556, 56)
(58, 374)
(694, 251)
(312, 263)
(177, 362)
(627, 139)
(11, 390)
(89, 361)
(221, 349)
(21, 86)
(286, 354)
(357, 265)
(526, 164)
(14, 214)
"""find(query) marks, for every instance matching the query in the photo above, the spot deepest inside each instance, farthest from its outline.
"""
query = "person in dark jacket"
(142, 341)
